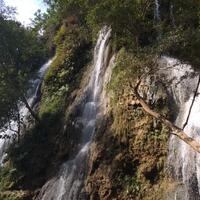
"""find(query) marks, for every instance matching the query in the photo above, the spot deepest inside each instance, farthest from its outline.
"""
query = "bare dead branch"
(10, 128)
(190, 110)
(33, 114)
(175, 130)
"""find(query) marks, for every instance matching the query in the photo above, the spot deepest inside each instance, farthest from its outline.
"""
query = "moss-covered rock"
(130, 149)
(72, 54)
(47, 144)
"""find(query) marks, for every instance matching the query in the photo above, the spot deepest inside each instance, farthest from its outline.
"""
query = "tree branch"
(190, 110)
(175, 130)
(33, 114)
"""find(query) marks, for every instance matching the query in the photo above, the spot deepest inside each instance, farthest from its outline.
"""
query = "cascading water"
(157, 13)
(184, 162)
(70, 180)
(172, 15)
(157, 10)
(33, 95)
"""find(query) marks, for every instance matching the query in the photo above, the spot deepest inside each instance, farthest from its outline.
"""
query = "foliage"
(73, 47)
(21, 53)
(183, 44)
(143, 140)
(38, 146)
(130, 151)
(133, 22)
(8, 179)
(6, 12)
(42, 142)
(69, 26)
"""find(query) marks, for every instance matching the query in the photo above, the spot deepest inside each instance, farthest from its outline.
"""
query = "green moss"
(46, 145)
(138, 142)
(72, 54)
(146, 138)
(12, 196)
(9, 178)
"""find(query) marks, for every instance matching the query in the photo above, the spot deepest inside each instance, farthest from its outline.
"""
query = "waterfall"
(157, 10)
(68, 184)
(184, 162)
(33, 95)
(172, 15)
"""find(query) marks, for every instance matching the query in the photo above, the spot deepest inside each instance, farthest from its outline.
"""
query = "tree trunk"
(175, 130)
(33, 114)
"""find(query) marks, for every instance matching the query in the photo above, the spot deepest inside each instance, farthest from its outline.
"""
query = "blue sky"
(26, 9)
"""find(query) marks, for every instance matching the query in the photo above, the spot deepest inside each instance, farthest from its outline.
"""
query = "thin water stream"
(68, 184)
(183, 161)
(33, 95)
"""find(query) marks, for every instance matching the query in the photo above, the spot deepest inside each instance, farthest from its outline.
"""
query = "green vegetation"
(130, 147)
(9, 178)
(132, 21)
(72, 54)
(21, 53)
(134, 146)
(46, 143)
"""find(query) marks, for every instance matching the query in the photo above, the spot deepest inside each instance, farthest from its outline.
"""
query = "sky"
(26, 9)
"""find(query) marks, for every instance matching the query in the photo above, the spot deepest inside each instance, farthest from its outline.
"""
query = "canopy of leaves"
(21, 53)
(132, 21)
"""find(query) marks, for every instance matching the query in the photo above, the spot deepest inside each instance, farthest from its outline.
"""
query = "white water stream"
(68, 184)
(184, 89)
(157, 10)
(33, 95)
(172, 15)
(184, 162)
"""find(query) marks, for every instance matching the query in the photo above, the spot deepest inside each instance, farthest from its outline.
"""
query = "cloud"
(25, 9)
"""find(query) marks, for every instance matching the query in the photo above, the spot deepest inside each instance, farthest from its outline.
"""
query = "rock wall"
(129, 153)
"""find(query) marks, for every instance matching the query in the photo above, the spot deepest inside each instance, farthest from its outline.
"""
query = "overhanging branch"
(175, 130)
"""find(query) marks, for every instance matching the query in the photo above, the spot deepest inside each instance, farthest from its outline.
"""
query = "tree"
(21, 53)
(7, 12)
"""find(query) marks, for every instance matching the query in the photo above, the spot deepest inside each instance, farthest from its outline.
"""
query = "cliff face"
(93, 140)
(128, 155)
(134, 156)
(129, 151)
(44, 147)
